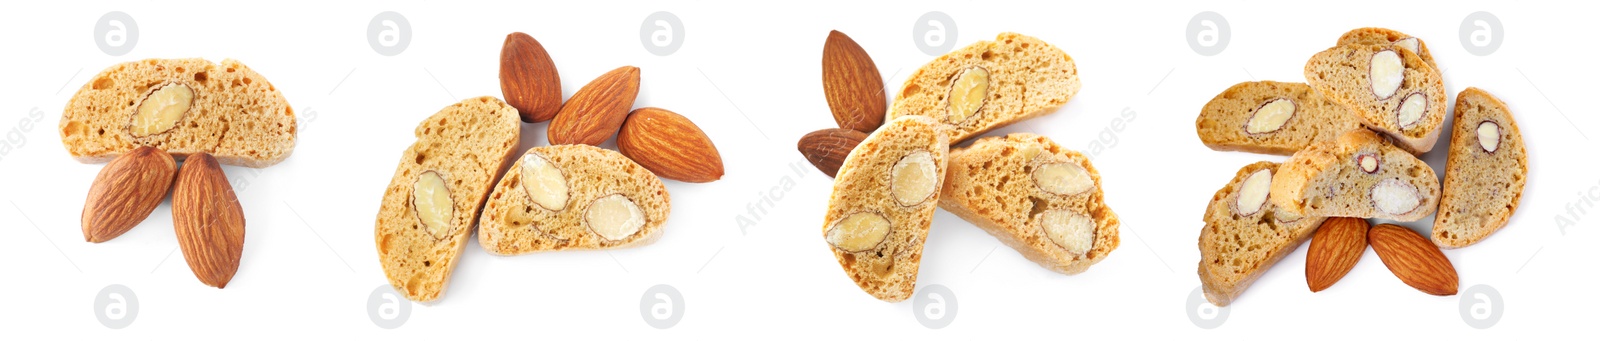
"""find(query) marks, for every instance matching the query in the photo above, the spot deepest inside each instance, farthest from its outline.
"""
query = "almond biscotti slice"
(1487, 171)
(1384, 36)
(882, 204)
(1043, 200)
(1390, 89)
(432, 202)
(573, 197)
(989, 84)
(1359, 175)
(1245, 234)
(182, 106)
(1271, 118)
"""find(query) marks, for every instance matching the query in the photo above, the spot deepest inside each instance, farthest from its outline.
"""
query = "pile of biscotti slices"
(142, 117)
(1353, 131)
(1034, 195)
(571, 195)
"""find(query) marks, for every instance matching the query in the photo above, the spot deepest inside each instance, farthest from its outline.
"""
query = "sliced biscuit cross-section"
(573, 197)
(1389, 88)
(1384, 36)
(989, 84)
(1041, 199)
(1245, 233)
(432, 203)
(1272, 118)
(882, 204)
(181, 106)
(1487, 171)
(1359, 175)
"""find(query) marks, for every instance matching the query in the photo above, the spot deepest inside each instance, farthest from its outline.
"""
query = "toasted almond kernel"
(914, 178)
(1253, 192)
(430, 197)
(968, 92)
(859, 232)
(1387, 73)
(546, 186)
(614, 217)
(1368, 162)
(1411, 110)
(1396, 197)
(1065, 178)
(1271, 116)
(1489, 136)
(161, 110)
(1071, 230)
(1410, 44)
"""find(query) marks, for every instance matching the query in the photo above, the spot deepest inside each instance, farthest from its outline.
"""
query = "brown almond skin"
(597, 110)
(669, 145)
(827, 148)
(208, 220)
(1414, 259)
(528, 78)
(126, 191)
(1335, 249)
(852, 84)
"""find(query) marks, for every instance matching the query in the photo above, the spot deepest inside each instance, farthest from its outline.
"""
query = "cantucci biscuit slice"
(1036, 197)
(1245, 233)
(1390, 89)
(432, 203)
(882, 204)
(181, 106)
(573, 197)
(1271, 118)
(1384, 36)
(1359, 175)
(1487, 171)
(989, 84)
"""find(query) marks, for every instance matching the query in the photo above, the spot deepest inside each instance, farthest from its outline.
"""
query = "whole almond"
(208, 220)
(1335, 249)
(827, 148)
(596, 111)
(1414, 259)
(528, 78)
(125, 192)
(852, 84)
(669, 145)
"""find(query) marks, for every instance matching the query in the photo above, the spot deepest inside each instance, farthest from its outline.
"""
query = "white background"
(749, 75)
